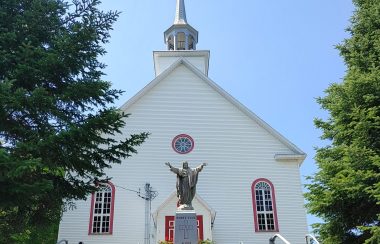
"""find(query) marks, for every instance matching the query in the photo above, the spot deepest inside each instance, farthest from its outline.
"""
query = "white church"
(249, 191)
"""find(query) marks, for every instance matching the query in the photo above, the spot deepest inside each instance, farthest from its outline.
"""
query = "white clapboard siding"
(237, 149)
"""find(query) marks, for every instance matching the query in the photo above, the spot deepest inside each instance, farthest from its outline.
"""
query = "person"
(187, 179)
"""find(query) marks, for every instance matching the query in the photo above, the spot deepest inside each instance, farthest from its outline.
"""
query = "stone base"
(185, 207)
(185, 227)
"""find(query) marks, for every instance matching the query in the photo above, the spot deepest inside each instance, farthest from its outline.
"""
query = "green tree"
(58, 129)
(345, 192)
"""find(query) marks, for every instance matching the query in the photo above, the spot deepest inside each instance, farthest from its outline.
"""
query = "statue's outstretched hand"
(168, 164)
(204, 164)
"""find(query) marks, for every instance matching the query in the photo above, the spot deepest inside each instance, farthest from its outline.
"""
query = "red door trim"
(169, 235)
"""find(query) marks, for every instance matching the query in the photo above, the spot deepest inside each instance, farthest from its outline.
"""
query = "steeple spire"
(180, 14)
(181, 35)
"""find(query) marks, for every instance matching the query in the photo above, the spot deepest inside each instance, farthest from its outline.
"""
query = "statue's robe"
(186, 184)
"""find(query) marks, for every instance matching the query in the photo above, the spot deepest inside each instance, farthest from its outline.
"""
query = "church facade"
(250, 189)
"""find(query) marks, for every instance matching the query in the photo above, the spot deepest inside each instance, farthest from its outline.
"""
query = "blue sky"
(274, 56)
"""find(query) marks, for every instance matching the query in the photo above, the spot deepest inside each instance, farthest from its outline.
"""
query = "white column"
(186, 41)
(175, 40)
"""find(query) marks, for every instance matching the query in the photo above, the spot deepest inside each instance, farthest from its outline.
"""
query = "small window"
(170, 43)
(183, 144)
(102, 206)
(181, 41)
(264, 206)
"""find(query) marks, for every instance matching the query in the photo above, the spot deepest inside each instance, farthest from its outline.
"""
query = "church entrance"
(169, 227)
(164, 216)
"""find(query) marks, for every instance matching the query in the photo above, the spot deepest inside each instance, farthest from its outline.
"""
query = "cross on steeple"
(181, 35)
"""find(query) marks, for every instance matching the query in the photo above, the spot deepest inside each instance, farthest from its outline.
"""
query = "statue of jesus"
(186, 184)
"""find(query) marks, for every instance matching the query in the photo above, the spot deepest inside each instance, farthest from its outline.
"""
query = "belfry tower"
(181, 35)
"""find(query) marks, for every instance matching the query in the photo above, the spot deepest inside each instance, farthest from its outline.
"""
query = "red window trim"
(255, 216)
(111, 214)
(171, 218)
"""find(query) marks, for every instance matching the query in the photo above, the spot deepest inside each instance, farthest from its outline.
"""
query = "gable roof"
(298, 155)
(174, 195)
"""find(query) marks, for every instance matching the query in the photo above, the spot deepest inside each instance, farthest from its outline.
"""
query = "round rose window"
(183, 144)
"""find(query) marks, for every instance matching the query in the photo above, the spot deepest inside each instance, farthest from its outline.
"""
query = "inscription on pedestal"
(185, 228)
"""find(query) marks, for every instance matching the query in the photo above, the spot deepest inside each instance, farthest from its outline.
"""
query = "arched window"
(102, 208)
(264, 206)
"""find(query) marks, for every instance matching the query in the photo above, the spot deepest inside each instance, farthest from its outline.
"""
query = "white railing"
(273, 239)
(310, 239)
(63, 242)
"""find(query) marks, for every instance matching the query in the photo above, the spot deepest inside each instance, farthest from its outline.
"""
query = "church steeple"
(180, 13)
(181, 35)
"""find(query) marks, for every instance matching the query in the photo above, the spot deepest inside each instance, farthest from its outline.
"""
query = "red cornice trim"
(113, 190)
(276, 227)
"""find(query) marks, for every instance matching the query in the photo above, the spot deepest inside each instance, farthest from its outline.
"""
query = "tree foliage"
(345, 192)
(58, 131)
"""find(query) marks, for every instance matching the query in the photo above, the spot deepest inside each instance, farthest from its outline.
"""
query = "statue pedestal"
(185, 227)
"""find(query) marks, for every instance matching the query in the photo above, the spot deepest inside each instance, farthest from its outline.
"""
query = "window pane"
(259, 201)
(268, 200)
(270, 222)
(261, 220)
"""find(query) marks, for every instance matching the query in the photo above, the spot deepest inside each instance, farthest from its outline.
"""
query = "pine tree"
(58, 129)
(345, 192)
